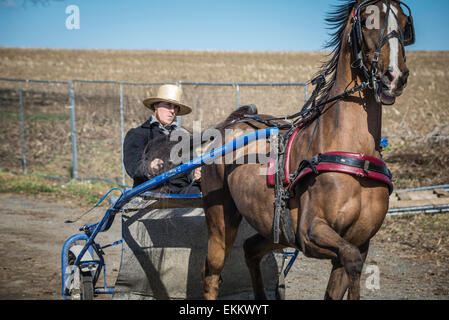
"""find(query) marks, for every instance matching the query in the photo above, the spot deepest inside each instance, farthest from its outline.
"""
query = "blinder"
(409, 29)
(406, 37)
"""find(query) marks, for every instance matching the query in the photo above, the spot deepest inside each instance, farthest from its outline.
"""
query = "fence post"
(179, 118)
(22, 129)
(306, 93)
(122, 132)
(237, 88)
(73, 130)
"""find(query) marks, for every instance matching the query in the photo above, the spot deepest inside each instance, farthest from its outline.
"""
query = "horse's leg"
(324, 237)
(223, 222)
(339, 280)
(256, 247)
(354, 287)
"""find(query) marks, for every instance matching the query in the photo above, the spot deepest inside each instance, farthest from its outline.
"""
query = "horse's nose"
(395, 79)
(402, 83)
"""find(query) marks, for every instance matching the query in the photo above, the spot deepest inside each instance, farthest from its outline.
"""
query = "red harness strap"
(286, 180)
(271, 170)
(341, 164)
(272, 162)
(344, 164)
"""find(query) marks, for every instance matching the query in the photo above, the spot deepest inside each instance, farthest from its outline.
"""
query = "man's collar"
(153, 121)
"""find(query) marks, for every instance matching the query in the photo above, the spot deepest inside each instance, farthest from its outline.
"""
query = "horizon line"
(199, 50)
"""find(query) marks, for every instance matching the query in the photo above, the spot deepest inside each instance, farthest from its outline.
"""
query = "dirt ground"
(33, 231)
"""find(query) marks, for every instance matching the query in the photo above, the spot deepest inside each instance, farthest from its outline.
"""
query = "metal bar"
(73, 130)
(417, 137)
(428, 211)
(419, 209)
(107, 290)
(112, 244)
(179, 118)
(101, 264)
(123, 82)
(290, 263)
(441, 186)
(253, 84)
(122, 134)
(161, 83)
(22, 130)
(306, 93)
(237, 87)
(36, 81)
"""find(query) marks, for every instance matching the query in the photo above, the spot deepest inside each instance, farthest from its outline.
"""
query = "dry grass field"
(421, 111)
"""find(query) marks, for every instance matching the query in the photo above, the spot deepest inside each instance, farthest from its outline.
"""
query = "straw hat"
(169, 93)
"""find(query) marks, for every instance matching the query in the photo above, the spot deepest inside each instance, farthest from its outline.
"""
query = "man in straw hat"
(144, 146)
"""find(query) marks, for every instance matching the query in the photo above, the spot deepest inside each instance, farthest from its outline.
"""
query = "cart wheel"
(280, 287)
(87, 286)
(81, 283)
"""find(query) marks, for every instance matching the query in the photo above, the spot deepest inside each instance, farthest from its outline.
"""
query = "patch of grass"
(22, 184)
(42, 116)
(82, 192)
(9, 115)
(425, 233)
(38, 116)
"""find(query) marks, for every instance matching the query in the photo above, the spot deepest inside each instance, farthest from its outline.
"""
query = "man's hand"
(197, 174)
(156, 166)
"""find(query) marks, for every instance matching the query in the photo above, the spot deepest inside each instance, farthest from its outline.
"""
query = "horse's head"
(381, 29)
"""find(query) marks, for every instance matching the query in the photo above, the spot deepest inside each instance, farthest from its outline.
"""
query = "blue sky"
(254, 25)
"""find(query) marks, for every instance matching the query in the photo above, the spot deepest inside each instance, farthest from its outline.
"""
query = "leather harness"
(338, 161)
(279, 177)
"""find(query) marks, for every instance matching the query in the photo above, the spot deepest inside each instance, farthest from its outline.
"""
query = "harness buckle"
(366, 167)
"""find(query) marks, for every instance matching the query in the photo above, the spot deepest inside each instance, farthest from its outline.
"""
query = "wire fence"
(75, 129)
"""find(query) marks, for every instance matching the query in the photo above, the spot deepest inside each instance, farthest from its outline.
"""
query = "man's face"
(165, 112)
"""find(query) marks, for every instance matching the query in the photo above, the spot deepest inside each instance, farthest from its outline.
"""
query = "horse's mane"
(335, 20)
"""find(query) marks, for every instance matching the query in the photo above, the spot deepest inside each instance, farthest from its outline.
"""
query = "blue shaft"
(193, 164)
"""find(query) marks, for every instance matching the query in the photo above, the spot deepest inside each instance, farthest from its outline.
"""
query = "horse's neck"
(352, 124)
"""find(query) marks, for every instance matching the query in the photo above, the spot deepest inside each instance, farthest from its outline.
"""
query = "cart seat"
(162, 201)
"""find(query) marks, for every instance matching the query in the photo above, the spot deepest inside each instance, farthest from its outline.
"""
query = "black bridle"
(405, 37)
(311, 110)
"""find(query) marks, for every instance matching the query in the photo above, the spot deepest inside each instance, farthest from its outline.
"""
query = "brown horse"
(334, 214)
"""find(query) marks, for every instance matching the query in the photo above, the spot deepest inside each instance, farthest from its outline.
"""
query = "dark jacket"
(136, 161)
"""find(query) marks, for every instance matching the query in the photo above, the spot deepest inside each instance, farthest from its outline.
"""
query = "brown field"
(421, 111)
